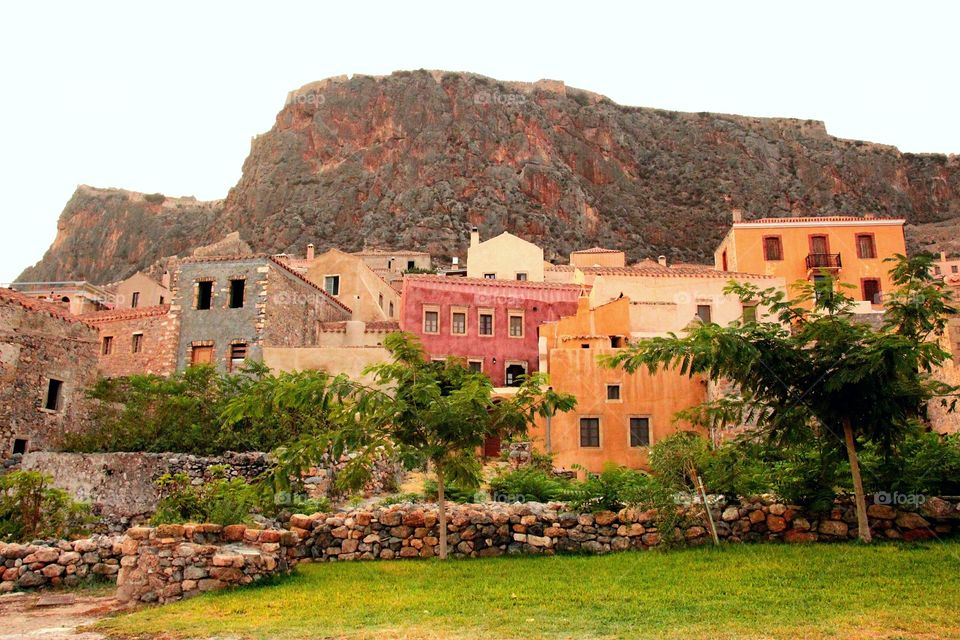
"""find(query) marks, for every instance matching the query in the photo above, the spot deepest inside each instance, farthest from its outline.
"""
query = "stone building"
(140, 290)
(76, 297)
(136, 341)
(48, 357)
(229, 308)
(392, 263)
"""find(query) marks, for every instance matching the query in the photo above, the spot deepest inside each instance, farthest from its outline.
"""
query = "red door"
(491, 447)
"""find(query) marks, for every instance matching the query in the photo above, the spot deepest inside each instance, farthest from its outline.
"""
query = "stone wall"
(120, 486)
(157, 344)
(170, 562)
(63, 562)
(410, 531)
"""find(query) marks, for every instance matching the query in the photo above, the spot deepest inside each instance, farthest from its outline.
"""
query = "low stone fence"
(63, 562)
(410, 531)
(170, 562)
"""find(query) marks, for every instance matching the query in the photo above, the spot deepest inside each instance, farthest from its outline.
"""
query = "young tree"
(437, 414)
(818, 367)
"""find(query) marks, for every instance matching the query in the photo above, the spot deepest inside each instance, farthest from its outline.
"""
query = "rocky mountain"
(415, 159)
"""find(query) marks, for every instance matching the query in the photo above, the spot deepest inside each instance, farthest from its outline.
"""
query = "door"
(201, 355)
(491, 447)
(871, 290)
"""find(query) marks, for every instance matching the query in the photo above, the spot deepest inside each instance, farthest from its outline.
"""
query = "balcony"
(829, 261)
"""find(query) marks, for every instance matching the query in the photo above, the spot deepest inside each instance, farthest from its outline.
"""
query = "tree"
(436, 414)
(811, 365)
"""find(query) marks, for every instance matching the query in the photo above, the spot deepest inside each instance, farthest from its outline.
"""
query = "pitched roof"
(377, 326)
(598, 250)
(487, 282)
(39, 306)
(114, 315)
(390, 252)
(649, 268)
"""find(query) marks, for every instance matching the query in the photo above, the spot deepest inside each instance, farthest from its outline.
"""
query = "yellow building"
(849, 250)
(350, 280)
(504, 257)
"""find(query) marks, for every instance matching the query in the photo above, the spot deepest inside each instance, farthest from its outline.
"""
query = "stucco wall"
(360, 287)
(334, 360)
(505, 255)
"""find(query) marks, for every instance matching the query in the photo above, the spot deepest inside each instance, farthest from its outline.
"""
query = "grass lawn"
(745, 591)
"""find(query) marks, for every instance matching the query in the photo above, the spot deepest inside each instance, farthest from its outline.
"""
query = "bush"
(527, 484)
(451, 492)
(923, 463)
(612, 489)
(30, 508)
(399, 498)
(219, 501)
(674, 458)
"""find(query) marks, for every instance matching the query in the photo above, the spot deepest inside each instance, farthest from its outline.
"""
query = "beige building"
(392, 263)
(349, 279)
(598, 257)
(505, 257)
(76, 297)
(140, 290)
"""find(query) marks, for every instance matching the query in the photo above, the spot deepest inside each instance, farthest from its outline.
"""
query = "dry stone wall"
(58, 563)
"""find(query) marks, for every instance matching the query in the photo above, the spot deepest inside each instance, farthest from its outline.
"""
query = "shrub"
(612, 489)
(451, 492)
(528, 484)
(30, 508)
(399, 498)
(219, 501)
(674, 458)
(923, 463)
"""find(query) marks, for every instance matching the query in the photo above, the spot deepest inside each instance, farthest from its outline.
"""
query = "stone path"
(52, 616)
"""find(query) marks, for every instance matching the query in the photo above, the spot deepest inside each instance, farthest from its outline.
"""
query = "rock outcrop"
(415, 158)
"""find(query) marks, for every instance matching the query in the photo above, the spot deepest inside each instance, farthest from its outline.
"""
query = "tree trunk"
(442, 515)
(862, 522)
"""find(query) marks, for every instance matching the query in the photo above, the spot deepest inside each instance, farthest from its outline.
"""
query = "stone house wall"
(40, 343)
(157, 345)
(295, 308)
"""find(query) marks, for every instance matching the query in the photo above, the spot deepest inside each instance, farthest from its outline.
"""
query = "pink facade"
(492, 324)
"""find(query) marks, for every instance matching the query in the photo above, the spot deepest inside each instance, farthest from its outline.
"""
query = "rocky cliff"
(416, 158)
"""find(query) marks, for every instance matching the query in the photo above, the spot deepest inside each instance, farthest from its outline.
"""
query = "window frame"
(489, 276)
(336, 277)
(743, 312)
(430, 308)
(136, 342)
(521, 273)
(200, 284)
(639, 416)
(613, 385)
(106, 345)
(134, 299)
(493, 323)
(453, 312)
(232, 293)
(510, 363)
(58, 387)
(516, 313)
(826, 242)
(709, 308)
(766, 254)
(863, 290)
(599, 420)
(873, 245)
(232, 360)
(479, 361)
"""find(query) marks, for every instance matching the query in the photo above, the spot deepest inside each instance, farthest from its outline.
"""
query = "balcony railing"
(824, 261)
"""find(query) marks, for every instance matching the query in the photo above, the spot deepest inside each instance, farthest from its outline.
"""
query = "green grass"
(748, 591)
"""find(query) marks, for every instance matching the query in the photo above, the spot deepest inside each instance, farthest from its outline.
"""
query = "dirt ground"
(53, 615)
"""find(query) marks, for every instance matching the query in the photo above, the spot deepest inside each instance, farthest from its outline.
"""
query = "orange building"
(618, 415)
(851, 250)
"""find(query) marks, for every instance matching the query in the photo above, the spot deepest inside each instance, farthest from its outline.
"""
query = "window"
(106, 345)
(204, 294)
(514, 373)
(136, 345)
(490, 276)
(238, 353)
(431, 320)
(772, 248)
(391, 309)
(613, 392)
(236, 293)
(584, 345)
(486, 323)
(380, 300)
(331, 284)
(54, 399)
(936, 270)
(135, 300)
(954, 269)
(639, 432)
(19, 446)
(819, 245)
(866, 247)
(703, 312)
(161, 299)
(871, 290)
(411, 264)
(589, 432)
(616, 342)
(749, 313)
(458, 323)
(516, 325)
(724, 260)
(201, 354)
(475, 366)
(521, 276)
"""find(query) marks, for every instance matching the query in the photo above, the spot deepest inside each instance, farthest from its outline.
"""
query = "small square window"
(521, 276)
(703, 312)
(54, 399)
(236, 293)
(136, 345)
(204, 294)
(954, 269)
(106, 345)
(475, 366)
(490, 276)
(411, 264)
(639, 432)
(201, 354)
(431, 322)
(589, 432)
(331, 284)
(749, 313)
(135, 300)
(613, 392)
(238, 353)
(19, 446)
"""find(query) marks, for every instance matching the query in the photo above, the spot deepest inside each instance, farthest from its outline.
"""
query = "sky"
(165, 96)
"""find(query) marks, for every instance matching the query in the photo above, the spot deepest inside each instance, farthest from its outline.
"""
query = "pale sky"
(166, 99)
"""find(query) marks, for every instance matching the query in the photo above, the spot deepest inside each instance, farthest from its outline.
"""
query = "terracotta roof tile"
(39, 306)
(598, 250)
(649, 268)
(774, 221)
(389, 252)
(485, 282)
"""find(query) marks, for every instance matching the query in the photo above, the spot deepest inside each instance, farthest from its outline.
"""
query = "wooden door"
(201, 355)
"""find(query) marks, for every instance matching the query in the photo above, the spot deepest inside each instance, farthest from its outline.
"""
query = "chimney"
(662, 260)
(456, 262)
(165, 279)
(737, 215)
(474, 236)
(943, 256)
(310, 251)
(869, 215)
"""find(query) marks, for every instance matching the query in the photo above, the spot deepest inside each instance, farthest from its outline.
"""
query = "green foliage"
(677, 457)
(399, 498)
(612, 489)
(923, 463)
(31, 508)
(452, 492)
(218, 501)
(528, 484)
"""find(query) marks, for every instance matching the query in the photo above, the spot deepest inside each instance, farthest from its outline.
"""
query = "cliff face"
(416, 158)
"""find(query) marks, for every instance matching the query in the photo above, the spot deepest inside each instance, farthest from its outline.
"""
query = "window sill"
(52, 412)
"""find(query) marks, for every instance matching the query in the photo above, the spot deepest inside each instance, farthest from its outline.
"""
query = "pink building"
(492, 324)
